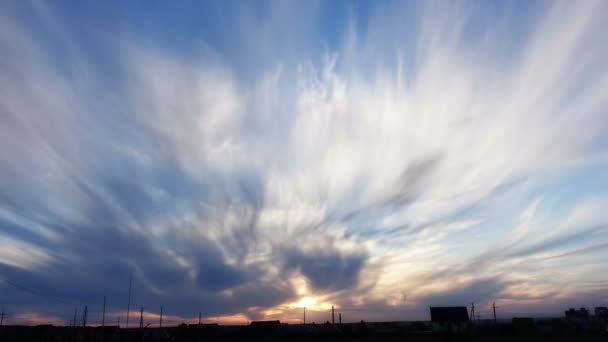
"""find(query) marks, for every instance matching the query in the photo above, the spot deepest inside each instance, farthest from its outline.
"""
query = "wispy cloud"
(392, 168)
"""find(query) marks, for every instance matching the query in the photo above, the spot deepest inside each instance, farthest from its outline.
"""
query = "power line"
(36, 293)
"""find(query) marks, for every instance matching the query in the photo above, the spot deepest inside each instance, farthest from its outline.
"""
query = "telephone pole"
(199, 318)
(472, 312)
(141, 318)
(304, 315)
(160, 324)
(2, 317)
(84, 317)
(129, 300)
(74, 321)
(494, 309)
(333, 319)
(340, 318)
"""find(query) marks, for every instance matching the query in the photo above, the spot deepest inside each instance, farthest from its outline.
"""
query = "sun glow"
(307, 302)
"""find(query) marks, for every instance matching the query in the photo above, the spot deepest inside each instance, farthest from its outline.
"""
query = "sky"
(246, 159)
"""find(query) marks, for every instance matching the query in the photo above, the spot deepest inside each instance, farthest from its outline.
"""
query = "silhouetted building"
(265, 324)
(601, 312)
(449, 314)
(579, 315)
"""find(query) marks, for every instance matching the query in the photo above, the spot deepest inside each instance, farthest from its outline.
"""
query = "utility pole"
(75, 312)
(494, 309)
(340, 318)
(103, 313)
(304, 315)
(141, 318)
(333, 319)
(129, 301)
(118, 321)
(472, 312)
(160, 324)
(199, 318)
(74, 324)
(84, 317)
(2, 317)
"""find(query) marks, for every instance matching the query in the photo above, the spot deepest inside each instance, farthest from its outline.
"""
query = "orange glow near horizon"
(111, 318)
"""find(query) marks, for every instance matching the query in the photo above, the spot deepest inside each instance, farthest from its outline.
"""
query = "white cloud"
(356, 151)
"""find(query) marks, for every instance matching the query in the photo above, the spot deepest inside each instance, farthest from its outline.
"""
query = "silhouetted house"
(449, 314)
(580, 315)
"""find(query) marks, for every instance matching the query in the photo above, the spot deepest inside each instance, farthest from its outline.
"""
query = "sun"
(307, 302)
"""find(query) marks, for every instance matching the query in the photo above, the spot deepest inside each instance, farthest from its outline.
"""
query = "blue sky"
(244, 159)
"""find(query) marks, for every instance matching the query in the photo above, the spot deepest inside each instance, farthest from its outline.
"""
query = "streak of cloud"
(398, 166)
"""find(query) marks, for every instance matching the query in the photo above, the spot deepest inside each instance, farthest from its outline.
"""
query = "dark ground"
(549, 330)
